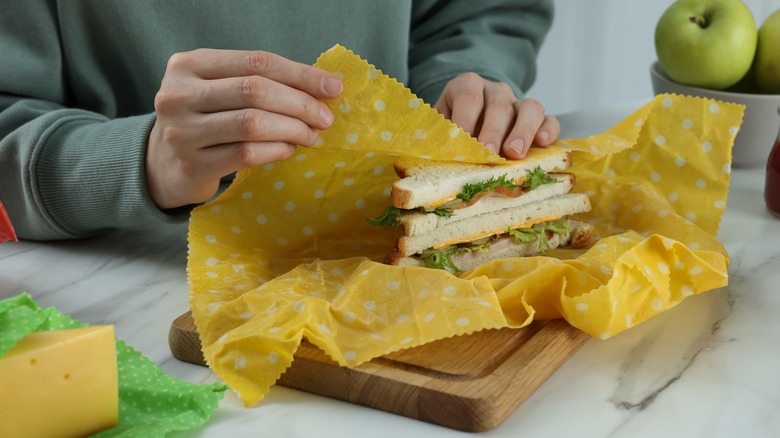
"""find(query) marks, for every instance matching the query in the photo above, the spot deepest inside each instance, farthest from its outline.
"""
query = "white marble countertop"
(709, 367)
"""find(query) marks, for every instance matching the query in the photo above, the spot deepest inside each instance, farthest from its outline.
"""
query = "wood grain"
(469, 383)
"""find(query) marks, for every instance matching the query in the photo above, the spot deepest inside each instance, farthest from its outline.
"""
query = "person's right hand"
(220, 111)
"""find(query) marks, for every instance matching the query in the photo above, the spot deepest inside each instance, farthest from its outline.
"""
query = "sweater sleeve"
(64, 172)
(497, 39)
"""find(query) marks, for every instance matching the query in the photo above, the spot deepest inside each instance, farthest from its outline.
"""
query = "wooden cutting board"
(469, 383)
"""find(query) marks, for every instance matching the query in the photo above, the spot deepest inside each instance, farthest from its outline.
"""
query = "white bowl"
(760, 123)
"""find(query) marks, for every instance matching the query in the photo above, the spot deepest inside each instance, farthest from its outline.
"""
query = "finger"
(529, 117)
(263, 93)
(548, 132)
(217, 64)
(248, 125)
(443, 106)
(467, 108)
(498, 117)
(224, 159)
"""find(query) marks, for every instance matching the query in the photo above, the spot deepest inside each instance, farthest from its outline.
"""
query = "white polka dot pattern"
(256, 277)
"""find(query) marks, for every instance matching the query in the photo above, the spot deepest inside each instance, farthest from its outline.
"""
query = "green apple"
(766, 66)
(706, 43)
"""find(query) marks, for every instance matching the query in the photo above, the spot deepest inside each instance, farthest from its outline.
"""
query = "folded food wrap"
(285, 252)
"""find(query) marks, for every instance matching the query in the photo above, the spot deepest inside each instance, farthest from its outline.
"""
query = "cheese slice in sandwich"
(456, 216)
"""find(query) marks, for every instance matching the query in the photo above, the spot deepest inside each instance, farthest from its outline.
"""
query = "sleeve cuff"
(91, 176)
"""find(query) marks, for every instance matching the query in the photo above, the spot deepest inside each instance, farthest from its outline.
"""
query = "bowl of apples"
(713, 49)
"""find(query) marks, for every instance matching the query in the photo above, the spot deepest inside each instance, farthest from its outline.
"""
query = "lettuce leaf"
(537, 177)
(388, 218)
(472, 189)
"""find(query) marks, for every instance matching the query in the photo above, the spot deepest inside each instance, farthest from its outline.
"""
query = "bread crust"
(400, 196)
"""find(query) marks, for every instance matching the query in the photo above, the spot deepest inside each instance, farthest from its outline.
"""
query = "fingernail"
(332, 86)
(517, 145)
(492, 147)
(543, 136)
(326, 116)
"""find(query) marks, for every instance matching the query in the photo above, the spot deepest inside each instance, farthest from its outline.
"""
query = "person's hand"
(220, 111)
(491, 112)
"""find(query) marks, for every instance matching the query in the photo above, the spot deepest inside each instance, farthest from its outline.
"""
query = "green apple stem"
(701, 21)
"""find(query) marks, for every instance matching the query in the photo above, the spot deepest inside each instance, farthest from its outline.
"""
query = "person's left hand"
(492, 113)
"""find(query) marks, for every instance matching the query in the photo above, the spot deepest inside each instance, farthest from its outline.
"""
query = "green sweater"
(78, 80)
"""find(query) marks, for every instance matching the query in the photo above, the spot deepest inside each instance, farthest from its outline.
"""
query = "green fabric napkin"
(151, 403)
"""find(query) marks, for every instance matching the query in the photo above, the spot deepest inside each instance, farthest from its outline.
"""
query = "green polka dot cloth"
(151, 403)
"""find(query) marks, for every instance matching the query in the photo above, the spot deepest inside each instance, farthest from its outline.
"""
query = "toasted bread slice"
(494, 223)
(427, 183)
(418, 223)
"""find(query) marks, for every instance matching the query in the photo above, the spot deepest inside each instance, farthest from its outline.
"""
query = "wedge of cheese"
(60, 383)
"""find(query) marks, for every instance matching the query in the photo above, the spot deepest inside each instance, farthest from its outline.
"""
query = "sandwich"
(456, 216)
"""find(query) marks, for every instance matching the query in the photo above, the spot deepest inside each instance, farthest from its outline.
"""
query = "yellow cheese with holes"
(60, 383)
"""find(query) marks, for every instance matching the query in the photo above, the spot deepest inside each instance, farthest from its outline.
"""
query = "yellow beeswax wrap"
(285, 252)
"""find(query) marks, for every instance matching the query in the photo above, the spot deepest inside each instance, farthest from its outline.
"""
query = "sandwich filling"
(542, 233)
(456, 216)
